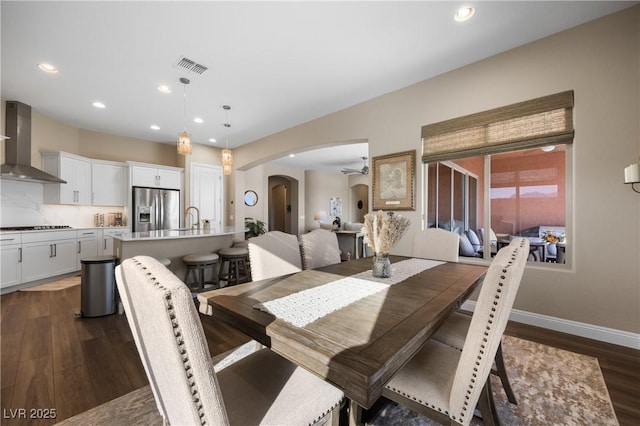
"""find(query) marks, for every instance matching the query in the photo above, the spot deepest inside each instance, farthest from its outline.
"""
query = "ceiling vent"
(186, 64)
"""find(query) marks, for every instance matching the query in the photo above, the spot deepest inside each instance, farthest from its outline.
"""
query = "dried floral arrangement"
(383, 231)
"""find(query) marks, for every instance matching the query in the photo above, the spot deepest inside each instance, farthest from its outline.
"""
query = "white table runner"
(306, 306)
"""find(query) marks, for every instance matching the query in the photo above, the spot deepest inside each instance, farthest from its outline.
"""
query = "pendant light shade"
(184, 143)
(184, 138)
(227, 155)
(227, 161)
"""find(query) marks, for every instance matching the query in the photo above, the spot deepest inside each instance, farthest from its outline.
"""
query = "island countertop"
(171, 234)
(174, 244)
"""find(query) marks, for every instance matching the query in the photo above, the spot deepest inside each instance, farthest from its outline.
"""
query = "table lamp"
(320, 215)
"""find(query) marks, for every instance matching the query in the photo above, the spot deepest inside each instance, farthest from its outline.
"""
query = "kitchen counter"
(170, 234)
(174, 244)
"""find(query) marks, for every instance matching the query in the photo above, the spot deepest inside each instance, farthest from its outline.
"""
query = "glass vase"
(381, 266)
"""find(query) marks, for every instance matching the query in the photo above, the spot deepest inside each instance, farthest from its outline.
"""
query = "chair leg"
(502, 373)
(487, 406)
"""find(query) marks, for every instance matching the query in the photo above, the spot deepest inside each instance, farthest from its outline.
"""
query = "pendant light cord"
(184, 107)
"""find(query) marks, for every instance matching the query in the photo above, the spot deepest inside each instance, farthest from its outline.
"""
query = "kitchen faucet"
(186, 212)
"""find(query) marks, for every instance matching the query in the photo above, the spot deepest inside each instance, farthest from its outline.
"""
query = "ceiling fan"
(363, 171)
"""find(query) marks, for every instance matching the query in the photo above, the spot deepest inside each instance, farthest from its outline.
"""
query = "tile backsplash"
(22, 205)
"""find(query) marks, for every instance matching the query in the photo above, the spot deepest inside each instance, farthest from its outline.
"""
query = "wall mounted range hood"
(17, 164)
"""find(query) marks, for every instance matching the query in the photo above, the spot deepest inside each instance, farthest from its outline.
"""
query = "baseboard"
(603, 334)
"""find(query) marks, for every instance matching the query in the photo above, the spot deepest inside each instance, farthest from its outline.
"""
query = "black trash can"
(98, 286)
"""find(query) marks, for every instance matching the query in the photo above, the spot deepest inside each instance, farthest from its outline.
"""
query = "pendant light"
(184, 138)
(227, 156)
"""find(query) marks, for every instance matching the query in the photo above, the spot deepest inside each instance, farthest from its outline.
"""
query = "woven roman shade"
(529, 124)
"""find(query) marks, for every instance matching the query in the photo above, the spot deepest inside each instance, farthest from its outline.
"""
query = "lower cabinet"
(46, 254)
(32, 256)
(10, 260)
(88, 245)
(107, 240)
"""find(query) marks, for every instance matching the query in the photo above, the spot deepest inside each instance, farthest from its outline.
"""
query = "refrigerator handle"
(161, 214)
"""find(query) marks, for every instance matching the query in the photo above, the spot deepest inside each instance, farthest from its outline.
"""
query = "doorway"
(359, 202)
(283, 204)
(206, 192)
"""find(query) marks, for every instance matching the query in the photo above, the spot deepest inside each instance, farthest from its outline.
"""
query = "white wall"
(600, 61)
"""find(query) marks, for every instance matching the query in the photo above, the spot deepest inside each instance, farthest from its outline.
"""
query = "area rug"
(552, 386)
(57, 285)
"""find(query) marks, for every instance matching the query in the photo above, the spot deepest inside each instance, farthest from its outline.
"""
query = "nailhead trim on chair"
(177, 332)
(322, 415)
(486, 334)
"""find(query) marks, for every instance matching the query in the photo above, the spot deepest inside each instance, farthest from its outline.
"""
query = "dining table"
(342, 324)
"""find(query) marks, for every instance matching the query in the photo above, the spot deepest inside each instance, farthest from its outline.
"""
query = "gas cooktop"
(34, 228)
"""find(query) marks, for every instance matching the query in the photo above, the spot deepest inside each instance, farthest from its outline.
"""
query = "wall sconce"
(632, 175)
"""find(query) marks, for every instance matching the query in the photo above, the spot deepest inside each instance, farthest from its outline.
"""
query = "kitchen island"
(174, 244)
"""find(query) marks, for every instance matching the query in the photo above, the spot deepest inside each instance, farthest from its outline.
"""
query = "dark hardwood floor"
(52, 360)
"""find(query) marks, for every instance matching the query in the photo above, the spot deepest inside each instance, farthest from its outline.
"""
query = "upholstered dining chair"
(273, 254)
(437, 244)
(261, 388)
(446, 384)
(453, 333)
(319, 248)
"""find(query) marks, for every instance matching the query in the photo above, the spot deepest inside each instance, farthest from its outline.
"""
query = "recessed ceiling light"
(464, 13)
(212, 140)
(291, 155)
(48, 68)
(198, 120)
(164, 88)
(98, 104)
(155, 127)
(548, 148)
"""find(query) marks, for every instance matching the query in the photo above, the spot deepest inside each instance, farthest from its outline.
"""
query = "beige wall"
(320, 187)
(600, 61)
(119, 148)
(257, 179)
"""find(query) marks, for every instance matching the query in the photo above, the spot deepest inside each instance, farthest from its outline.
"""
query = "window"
(505, 170)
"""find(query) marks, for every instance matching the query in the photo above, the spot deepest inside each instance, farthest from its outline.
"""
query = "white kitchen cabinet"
(10, 259)
(107, 183)
(107, 240)
(153, 176)
(75, 170)
(88, 245)
(48, 253)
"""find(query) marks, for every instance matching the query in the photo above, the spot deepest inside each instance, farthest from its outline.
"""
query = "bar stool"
(165, 261)
(244, 244)
(235, 259)
(200, 263)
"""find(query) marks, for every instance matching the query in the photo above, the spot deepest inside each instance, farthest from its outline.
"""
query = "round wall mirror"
(250, 198)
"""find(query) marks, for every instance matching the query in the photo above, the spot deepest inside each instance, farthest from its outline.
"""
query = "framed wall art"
(335, 206)
(394, 178)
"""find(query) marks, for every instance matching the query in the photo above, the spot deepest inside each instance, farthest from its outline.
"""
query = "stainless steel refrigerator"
(155, 208)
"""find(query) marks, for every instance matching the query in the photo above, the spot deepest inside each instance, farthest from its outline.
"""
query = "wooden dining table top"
(357, 348)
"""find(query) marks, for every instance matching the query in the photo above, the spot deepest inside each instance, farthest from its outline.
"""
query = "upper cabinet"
(154, 176)
(108, 183)
(89, 182)
(75, 170)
